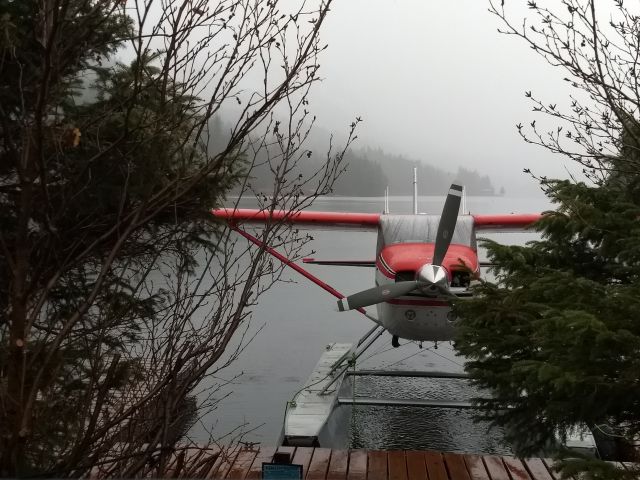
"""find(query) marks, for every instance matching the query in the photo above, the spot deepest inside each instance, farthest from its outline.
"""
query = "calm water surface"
(294, 321)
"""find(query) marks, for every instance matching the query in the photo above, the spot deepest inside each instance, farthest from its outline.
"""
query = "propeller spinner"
(431, 278)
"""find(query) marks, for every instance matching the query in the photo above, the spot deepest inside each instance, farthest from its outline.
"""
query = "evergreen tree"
(555, 339)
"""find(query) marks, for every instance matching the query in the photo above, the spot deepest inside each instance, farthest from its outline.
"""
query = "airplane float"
(422, 261)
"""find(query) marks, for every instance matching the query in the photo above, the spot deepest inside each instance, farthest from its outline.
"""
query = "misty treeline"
(368, 171)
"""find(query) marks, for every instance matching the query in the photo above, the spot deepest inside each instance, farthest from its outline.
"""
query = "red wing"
(506, 222)
(346, 219)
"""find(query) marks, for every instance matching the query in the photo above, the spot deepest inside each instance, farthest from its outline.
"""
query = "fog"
(435, 81)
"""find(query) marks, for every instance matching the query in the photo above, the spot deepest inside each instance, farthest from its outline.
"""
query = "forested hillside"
(398, 175)
(368, 171)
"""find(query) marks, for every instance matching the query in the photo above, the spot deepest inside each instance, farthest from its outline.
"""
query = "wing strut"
(308, 275)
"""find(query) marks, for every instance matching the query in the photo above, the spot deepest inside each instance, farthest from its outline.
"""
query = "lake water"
(295, 321)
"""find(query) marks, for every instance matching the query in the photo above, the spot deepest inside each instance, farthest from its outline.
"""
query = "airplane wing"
(368, 221)
(500, 222)
(511, 222)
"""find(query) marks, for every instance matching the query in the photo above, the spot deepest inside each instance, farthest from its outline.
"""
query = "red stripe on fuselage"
(410, 257)
(383, 269)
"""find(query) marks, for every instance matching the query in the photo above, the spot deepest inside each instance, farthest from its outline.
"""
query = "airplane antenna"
(386, 200)
(415, 190)
(464, 200)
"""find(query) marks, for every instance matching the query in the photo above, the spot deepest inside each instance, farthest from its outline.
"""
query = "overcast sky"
(435, 81)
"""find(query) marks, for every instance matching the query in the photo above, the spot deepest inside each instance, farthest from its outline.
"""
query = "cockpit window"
(422, 228)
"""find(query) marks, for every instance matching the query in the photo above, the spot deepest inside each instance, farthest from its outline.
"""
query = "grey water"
(295, 320)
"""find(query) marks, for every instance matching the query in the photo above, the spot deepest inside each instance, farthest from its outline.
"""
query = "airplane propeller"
(431, 278)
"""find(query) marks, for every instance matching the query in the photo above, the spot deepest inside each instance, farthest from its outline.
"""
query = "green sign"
(281, 471)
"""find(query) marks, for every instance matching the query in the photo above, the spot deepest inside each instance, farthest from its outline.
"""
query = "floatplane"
(422, 262)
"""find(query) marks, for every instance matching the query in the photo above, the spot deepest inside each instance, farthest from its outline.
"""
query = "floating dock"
(309, 420)
(318, 413)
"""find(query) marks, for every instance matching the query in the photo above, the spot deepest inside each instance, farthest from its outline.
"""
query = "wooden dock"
(328, 464)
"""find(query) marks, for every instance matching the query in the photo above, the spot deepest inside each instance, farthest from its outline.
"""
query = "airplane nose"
(435, 276)
(432, 274)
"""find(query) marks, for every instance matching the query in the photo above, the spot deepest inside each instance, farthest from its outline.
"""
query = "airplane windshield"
(422, 228)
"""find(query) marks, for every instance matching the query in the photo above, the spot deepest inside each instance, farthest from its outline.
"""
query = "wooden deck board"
(192, 460)
(221, 465)
(358, 465)
(495, 467)
(416, 467)
(319, 464)
(549, 462)
(290, 450)
(241, 465)
(516, 468)
(303, 457)
(456, 466)
(264, 455)
(435, 466)
(377, 468)
(203, 463)
(338, 465)
(476, 468)
(397, 464)
(538, 469)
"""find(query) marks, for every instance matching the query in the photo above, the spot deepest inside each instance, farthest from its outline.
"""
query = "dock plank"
(221, 465)
(516, 468)
(538, 469)
(338, 465)
(496, 468)
(241, 465)
(397, 464)
(290, 450)
(303, 457)
(193, 459)
(377, 469)
(476, 468)
(550, 464)
(435, 466)
(265, 454)
(358, 465)
(319, 464)
(456, 466)
(416, 466)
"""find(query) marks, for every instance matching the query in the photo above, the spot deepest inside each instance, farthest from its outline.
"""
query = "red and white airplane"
(421, 261)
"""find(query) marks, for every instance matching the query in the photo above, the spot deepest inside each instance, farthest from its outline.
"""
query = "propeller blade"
(378, 294)
(447, 223)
